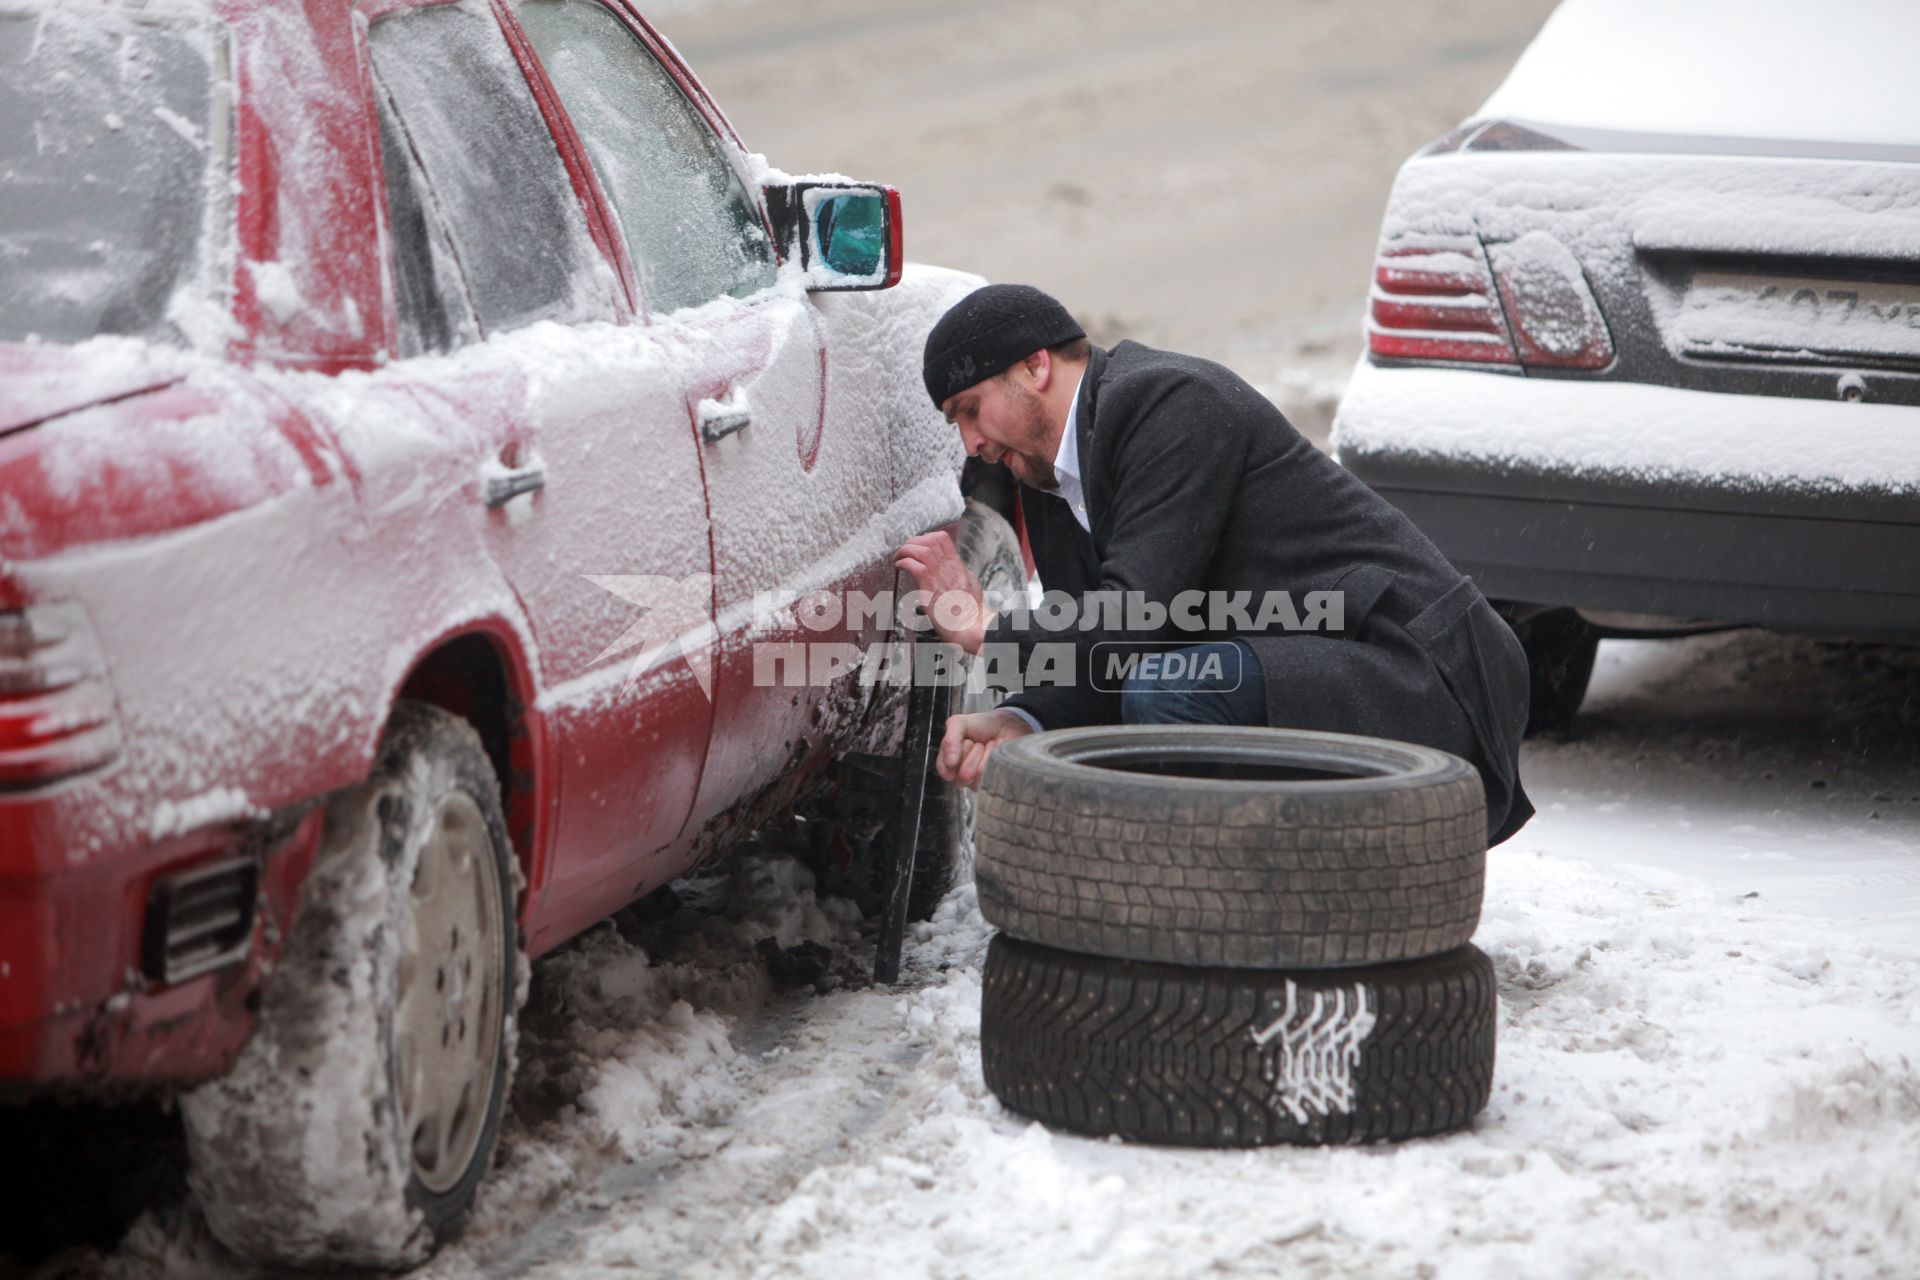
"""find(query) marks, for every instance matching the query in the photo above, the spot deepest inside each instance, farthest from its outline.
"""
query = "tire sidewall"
(1054, 758)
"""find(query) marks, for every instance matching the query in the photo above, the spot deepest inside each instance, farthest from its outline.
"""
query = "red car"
(403, 407)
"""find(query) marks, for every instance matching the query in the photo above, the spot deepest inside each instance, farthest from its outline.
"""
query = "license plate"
(1783, 317)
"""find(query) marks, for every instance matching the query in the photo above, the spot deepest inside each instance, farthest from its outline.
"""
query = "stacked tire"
(1231, 937)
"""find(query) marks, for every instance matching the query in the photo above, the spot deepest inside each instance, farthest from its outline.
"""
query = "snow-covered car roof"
(1839, 72)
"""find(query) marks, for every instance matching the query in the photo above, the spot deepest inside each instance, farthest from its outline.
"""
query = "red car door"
(589, 477)
(784, 500)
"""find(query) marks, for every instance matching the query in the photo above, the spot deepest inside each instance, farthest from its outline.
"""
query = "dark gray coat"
(1194, 480)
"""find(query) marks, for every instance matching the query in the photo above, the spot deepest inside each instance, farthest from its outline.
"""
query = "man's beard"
(1037, 472)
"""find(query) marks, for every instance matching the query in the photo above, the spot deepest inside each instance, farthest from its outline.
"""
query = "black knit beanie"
(991, 329)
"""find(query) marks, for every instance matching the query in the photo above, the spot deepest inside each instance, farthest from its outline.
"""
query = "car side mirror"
(843, 235)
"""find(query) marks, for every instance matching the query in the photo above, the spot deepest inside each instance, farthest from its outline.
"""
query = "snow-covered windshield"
(1840, 72)
(112, 125)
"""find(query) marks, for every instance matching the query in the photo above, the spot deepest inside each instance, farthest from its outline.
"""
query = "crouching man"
(1144, 475)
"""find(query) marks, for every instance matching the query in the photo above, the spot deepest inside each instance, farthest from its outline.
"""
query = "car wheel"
(1232, 847)
(849, 854)
(1213, 1057)
(944, 855)
(1560, 647)
(363, 1114)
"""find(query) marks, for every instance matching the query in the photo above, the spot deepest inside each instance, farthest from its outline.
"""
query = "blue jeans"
(1217, 683)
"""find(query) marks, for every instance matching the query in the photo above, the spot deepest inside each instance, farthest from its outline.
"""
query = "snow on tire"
(943, 855)
(363, 1114)
(1260, 848)
(988, 546)
(1237, 1057)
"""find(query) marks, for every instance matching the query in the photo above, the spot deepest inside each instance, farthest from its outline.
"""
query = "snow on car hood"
(41, 381)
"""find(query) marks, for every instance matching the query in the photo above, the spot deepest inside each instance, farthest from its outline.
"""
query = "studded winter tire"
(1237, 1057)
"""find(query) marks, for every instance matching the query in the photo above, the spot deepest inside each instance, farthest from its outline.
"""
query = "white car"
(1643, 337)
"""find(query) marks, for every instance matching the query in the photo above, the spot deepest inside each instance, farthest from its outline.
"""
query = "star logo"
(675, 619)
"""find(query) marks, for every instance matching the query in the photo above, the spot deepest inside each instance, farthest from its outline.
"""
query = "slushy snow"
(1709, 980)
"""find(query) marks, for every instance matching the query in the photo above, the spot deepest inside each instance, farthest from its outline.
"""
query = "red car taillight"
(1435, 301)
(57, 715)
(1441, 300)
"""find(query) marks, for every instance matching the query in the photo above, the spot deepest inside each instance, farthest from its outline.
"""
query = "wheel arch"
(481, 673)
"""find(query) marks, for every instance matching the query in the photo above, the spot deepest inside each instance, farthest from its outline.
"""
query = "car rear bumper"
(81, 1011)
(1834, 555)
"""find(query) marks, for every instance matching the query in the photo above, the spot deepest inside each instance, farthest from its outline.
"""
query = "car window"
(692, 229)
(462, 107)
(114, 131)
(428, 296)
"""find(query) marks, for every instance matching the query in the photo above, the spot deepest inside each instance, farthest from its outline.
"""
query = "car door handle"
(722, 418)
(506, 485)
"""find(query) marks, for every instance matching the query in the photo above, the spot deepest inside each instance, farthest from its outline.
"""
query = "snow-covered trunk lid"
(39, 381)
(1743, 274)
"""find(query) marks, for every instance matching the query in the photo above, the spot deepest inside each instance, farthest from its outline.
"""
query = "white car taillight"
(1435, 301)
(57, 715)
(1555, 320)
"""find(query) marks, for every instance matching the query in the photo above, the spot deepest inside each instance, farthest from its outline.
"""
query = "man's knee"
(1148, 702)
(1210, 684)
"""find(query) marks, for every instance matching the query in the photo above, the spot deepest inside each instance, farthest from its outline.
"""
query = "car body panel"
(307, 203)
(39, 381)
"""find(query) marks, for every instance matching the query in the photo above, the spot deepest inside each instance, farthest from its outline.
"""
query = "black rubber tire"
(943, 858)
(298, 1156)
(1560, 647)
(1271, 874)
(1168, 1054)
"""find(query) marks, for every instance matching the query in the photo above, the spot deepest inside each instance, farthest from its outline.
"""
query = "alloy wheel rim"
(451, 995)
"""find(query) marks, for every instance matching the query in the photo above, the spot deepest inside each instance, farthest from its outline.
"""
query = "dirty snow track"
(1707, 1060)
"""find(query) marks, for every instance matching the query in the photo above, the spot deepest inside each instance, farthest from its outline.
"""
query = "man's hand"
(970, 738)
(956, 606)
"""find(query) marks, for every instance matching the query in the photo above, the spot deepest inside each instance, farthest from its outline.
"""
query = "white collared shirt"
(1066, 462)
(1066, 470)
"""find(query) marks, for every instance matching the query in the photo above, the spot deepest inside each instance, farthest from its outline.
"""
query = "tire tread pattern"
(1328, 878)
(1165, 1053)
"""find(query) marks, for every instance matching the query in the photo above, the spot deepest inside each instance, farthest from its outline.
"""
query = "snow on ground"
(1709, 972)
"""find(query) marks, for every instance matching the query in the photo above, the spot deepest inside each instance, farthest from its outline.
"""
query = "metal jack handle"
(904, 831)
